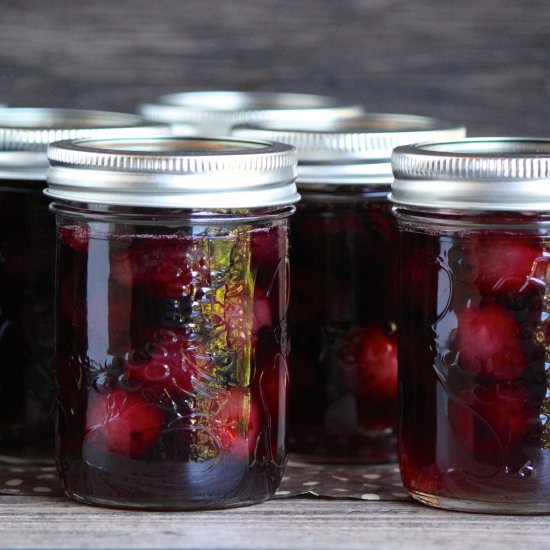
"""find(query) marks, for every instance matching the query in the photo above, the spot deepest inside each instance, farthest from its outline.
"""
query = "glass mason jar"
(27, 248)
(171, 345)
(474, 336)
(343, 314)
(215, 112)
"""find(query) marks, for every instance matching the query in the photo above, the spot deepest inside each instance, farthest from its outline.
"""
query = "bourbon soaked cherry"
(488, 342)
(122, 423)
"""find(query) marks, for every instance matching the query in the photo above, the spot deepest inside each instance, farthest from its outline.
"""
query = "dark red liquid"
(171, 365)
(344, 342)
(473, 377)
(27, 249)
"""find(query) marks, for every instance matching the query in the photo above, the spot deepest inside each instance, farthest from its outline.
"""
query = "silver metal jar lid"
(26, 132)
(217, 111)
(173, 172)
(350, 151)
(507, 174)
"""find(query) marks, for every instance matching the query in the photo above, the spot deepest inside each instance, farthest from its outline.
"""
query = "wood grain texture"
(486, 63)
(43, 522)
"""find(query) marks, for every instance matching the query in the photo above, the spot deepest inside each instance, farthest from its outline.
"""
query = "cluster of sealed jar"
(27, 249)
(173, 301)
(171, 347)
(179, 359)
(474, 335)
(344, 307)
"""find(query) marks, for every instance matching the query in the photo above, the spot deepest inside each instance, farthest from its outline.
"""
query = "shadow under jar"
(171, 344)
(27, 250)
(474, 336)
(343, 312)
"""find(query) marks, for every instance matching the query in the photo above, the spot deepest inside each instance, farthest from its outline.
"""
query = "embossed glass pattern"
(474, 348)
(473, 362)
(171, 356)
(171, 342)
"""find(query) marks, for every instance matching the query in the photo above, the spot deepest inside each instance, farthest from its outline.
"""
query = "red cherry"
(122, 423)
(132, 267)
(488, 343)
(163, 365)
(261, 311)
(376, 358)
(75, 236)
(501, 259)
(236, 422)
(491, 420)
(267, 245)
(161, 262)
(172, 279)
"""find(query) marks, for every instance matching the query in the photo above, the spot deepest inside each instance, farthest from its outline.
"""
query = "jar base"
(130, 484)
(182, 506)
(514, 507)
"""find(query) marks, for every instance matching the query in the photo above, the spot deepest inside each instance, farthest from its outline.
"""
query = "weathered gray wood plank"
(486, 63)
(43, 522)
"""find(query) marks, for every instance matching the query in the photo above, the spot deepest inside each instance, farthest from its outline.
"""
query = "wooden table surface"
(56, 522)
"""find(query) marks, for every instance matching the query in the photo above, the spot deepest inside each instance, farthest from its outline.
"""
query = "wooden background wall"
(483, 62)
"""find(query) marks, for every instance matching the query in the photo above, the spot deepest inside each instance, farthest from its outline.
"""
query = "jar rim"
(491, 173)
(354, 150)
(188, 172)
(221, 109)
(25, 133)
